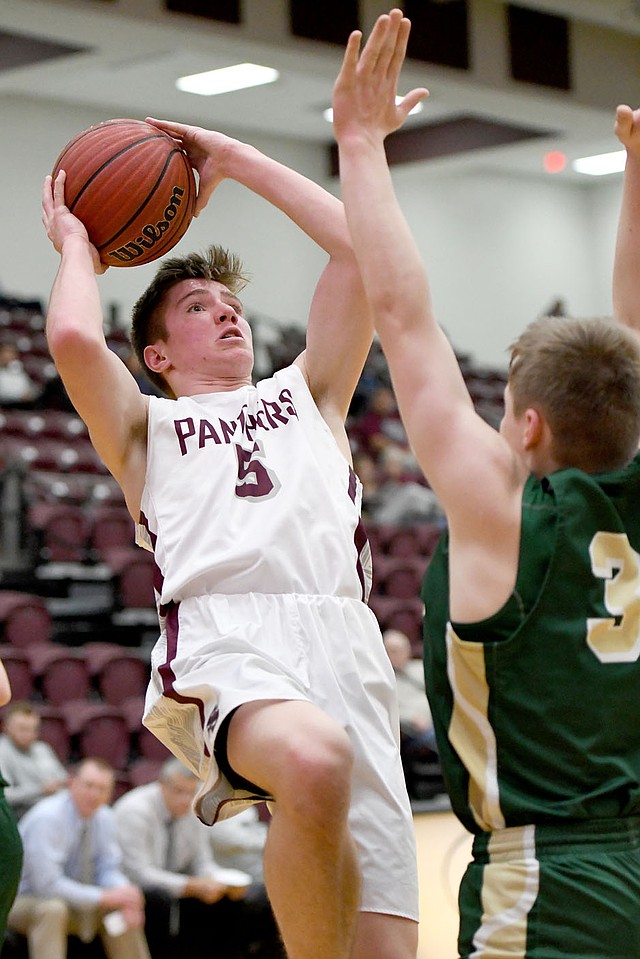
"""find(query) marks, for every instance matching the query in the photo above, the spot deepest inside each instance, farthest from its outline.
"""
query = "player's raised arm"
(5, 685)
(626, 271)
(99, 385)
(340, 330)
(450, 441)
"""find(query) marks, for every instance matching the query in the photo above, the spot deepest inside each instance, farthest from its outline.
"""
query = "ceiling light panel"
(226, 79)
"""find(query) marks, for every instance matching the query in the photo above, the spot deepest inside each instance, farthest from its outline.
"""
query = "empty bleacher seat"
(399, 576)
(98, 729)
(18, 668)
(54, 731)
(62, 530)
(61, 672)
(134, 573)
(419, 539)
(112, 528)
(144, 770)
(24, 619)
(117, 673)
(144, 743)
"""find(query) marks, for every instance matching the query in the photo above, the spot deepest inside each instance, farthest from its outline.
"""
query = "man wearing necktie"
(193, 903)
(72, 882)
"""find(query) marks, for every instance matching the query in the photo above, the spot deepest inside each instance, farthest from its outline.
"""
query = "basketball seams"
(112, 159)
(95, 132)
(144, 202)
(171, 238)
(180, 232)
(192, 183)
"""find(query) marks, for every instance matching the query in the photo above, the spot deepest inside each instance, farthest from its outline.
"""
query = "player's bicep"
(462, 456)
(339, 335)
(107, 398)
(430, 390)
(466, 461)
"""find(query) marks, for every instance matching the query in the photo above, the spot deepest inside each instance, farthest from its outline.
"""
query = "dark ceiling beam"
(448, 137)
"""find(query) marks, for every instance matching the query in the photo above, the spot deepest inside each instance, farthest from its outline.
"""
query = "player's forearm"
(5, 686)
(626, 270)
(319, 214)
(74, 317)
(392, 269)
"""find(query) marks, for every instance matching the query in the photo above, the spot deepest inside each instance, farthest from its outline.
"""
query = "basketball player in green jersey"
(532, 630)
(10, 841)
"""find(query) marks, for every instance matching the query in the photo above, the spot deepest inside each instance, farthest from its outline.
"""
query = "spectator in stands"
(402, 498)
(390, 494)
(284, 349)
(380, 425)
(238, 843)
(417, 737)
(72, 880)
(366, 470)
(187, 893)
(16, 386)
(54, 396)
(10, 842)
(416, 724)
(374, 374)
(29, 765)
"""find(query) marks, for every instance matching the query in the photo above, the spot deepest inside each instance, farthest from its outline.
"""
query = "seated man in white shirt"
(72, 881)
(193, 906)
(238, 843)
(418, 747)
(416, 723)
(29, 765)
(16, 386)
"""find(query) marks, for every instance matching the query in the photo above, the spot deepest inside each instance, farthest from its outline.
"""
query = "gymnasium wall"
(499, 248)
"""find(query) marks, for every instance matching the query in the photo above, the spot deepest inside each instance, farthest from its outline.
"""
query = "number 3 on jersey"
(616, 640)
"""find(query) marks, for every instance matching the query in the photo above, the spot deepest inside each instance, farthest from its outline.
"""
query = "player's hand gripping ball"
(133, 188)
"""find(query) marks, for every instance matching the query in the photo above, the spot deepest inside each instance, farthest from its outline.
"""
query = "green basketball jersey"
(537, 709)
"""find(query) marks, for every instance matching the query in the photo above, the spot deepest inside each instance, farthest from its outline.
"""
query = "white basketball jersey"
(247, 491)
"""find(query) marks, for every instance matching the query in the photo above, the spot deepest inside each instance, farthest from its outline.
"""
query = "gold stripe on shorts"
(510, 886)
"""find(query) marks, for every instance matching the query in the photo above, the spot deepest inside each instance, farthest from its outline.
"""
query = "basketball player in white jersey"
(270, 678)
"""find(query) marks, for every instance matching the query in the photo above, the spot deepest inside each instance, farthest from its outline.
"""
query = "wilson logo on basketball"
(151, 233)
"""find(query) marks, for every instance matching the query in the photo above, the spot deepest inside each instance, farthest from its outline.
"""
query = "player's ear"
(155, 358)
(533, 428)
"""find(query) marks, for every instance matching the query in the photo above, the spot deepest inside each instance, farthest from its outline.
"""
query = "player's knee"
(319, 769)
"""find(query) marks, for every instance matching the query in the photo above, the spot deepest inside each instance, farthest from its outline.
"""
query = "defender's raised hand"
(627, 128)
(364, 94)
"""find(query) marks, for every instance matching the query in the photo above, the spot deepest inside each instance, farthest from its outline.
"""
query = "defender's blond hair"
(584, 377)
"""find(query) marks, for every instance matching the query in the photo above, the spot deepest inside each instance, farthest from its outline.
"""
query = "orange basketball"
(133, 188)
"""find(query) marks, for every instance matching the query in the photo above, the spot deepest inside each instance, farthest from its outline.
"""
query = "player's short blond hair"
(584, 378)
